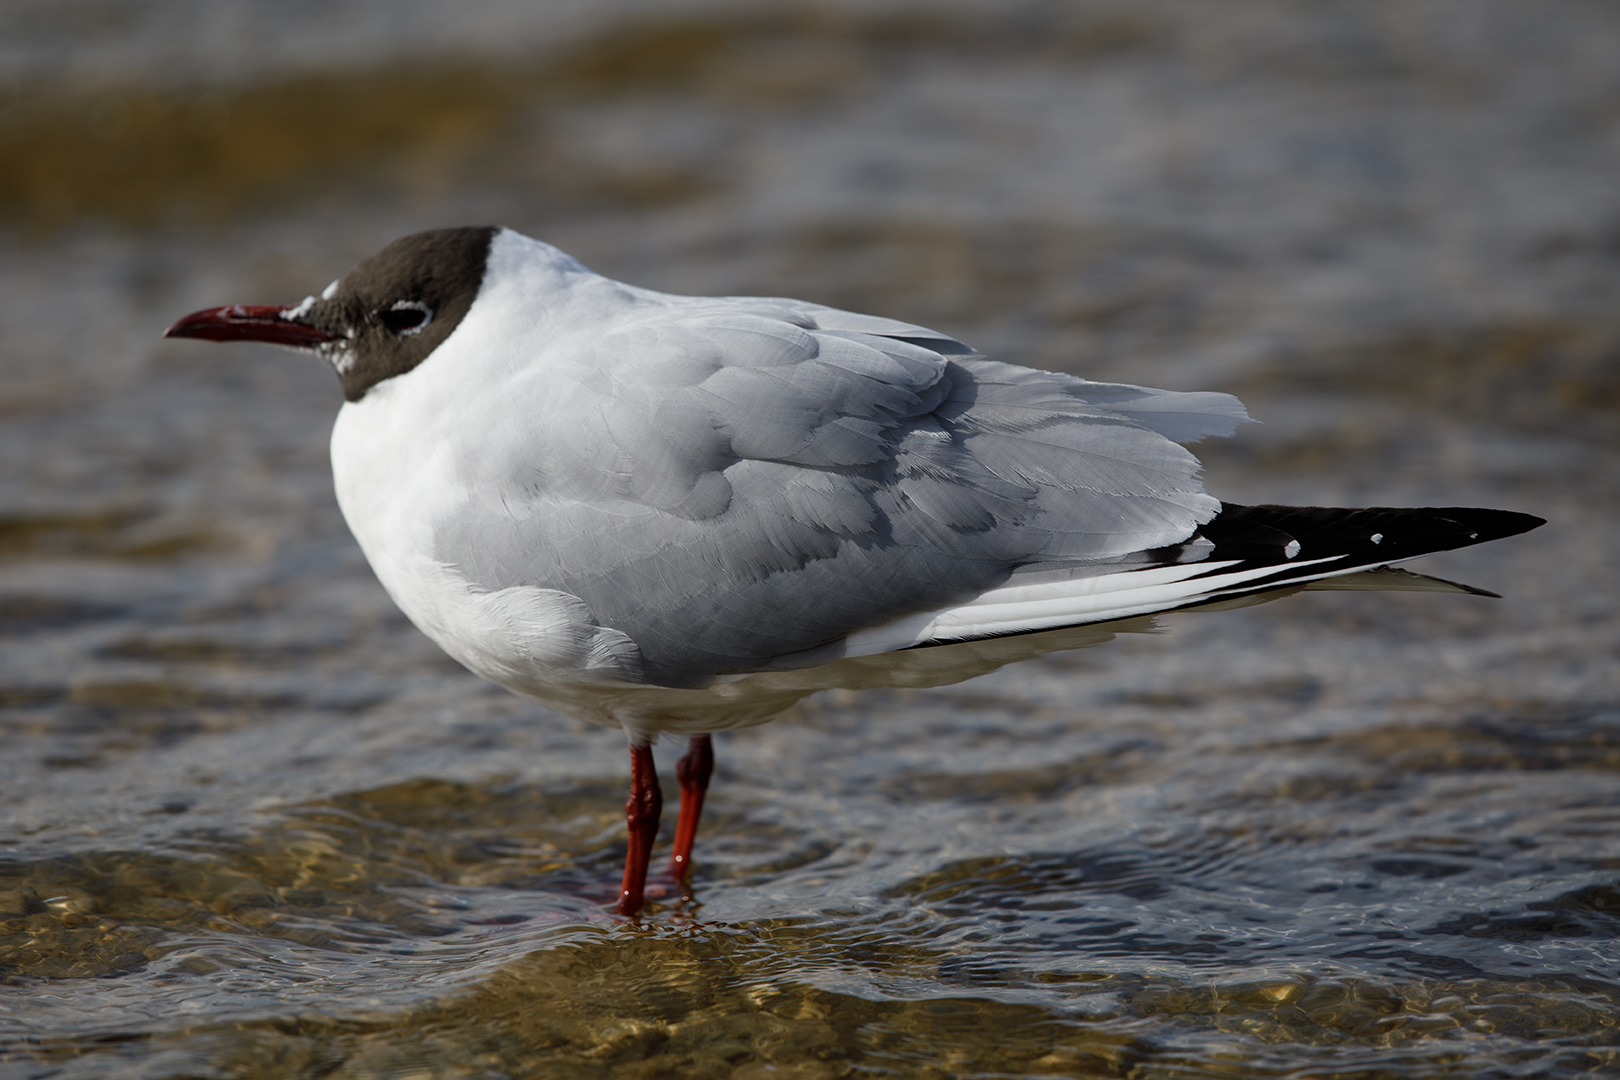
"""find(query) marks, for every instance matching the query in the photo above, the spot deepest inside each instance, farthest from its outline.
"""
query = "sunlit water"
(256, 826)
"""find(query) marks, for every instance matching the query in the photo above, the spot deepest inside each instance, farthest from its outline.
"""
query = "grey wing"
(740, 484)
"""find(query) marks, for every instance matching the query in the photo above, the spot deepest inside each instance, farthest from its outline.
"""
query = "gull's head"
(379, 320)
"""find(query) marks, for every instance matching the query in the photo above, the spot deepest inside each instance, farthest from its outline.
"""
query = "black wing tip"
(1280, 535)
(1489, 524)
(1481, 524)
(1469, 524)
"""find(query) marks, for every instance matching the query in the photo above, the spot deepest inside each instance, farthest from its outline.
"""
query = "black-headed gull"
(682, 514)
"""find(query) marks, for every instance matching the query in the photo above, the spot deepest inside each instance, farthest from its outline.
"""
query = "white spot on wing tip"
(1291, 549)
(1377, 538)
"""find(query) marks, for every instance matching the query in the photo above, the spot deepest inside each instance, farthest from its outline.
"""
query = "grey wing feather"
(739, 484)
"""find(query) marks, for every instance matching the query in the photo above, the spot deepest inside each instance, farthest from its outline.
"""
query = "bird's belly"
(397, 481)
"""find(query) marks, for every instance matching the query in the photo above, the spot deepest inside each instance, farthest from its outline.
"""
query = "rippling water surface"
(256, 826)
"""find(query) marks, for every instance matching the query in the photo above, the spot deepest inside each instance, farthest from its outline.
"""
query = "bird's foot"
(662, 890)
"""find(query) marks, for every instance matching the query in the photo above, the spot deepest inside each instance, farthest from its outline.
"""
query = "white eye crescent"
(406, 317)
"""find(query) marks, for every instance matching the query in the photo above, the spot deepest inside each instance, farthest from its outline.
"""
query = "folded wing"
(741, 484)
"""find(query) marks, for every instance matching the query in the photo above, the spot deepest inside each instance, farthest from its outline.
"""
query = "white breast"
(407, 458)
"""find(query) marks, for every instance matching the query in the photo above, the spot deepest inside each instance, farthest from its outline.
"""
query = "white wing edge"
(1019, 609)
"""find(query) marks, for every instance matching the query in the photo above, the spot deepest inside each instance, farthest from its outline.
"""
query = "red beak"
(239, 323)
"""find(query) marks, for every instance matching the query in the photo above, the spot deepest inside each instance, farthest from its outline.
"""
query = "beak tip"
(237, 322)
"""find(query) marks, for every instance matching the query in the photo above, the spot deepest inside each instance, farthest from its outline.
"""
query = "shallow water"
(255, 825)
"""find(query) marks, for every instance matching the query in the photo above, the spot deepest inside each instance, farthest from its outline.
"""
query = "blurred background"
(255, 825)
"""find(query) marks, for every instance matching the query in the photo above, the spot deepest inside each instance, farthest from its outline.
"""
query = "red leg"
(694, 770)
(642, 811)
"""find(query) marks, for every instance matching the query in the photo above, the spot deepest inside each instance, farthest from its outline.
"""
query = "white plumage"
(661, 454)
(682, 514)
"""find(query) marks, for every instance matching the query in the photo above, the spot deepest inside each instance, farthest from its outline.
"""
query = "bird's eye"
(406, 317)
